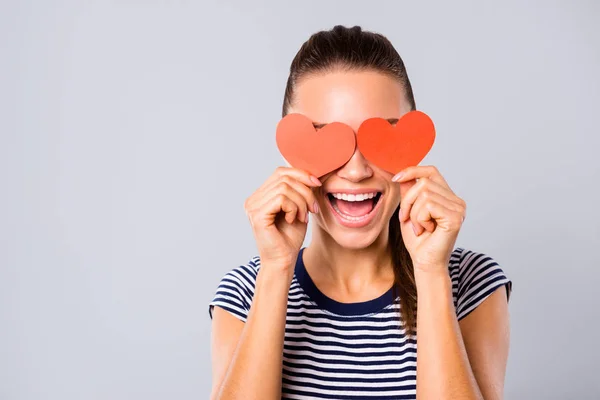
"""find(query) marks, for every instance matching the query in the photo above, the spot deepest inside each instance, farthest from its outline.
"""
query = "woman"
(338, 319)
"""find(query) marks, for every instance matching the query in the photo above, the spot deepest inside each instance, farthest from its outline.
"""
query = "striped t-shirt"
(350, 351)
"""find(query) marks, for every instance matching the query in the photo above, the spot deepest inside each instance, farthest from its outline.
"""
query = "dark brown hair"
(354, 49)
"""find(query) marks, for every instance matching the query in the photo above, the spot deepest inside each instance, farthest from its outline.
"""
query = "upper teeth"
(354, 197)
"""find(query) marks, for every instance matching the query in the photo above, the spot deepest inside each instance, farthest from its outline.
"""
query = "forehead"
(349, 97)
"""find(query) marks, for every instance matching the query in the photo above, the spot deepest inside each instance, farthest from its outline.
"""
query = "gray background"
(132, 132)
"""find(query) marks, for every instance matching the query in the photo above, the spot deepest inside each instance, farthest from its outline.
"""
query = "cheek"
(394, 196)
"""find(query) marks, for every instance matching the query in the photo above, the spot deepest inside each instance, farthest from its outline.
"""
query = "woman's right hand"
(278, 213)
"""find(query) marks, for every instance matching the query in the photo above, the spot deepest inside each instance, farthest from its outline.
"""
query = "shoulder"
(235, 290)
(475, 276)
(245, 274)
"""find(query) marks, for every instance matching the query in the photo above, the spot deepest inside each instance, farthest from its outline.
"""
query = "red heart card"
(316, 151)
(394, 148)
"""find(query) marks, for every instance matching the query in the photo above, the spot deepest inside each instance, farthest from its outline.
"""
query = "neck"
(346, 274)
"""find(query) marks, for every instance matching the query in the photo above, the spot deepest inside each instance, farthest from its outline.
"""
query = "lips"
(354, 208)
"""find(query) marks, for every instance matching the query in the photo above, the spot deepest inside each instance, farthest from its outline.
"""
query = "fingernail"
(316, 207)
(400, 214)
(397, 176)
(414, 228)
(307, 214)
(315, 180)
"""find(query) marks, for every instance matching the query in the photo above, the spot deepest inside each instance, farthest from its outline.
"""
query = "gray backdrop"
(132, 132)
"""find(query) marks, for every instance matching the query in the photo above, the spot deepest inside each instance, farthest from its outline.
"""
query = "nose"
(356, 169)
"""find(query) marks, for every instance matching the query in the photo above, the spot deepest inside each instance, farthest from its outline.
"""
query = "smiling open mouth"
(354, 207)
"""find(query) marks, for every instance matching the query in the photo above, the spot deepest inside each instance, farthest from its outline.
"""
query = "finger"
(445, 218)
(301, 188)
(424, 185)
(429, 211)
(298, 174)
(286, 174)
(266, 213)
(290, 208)
(419, 220)
(293, 189)
(408, 198)
(421, 171)
(277, 204)
(286, 189)
(420, 216)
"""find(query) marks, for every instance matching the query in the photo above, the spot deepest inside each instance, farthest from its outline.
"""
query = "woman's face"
(352, 97)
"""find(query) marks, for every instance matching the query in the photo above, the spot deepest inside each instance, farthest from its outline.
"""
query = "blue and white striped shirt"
(351, 351)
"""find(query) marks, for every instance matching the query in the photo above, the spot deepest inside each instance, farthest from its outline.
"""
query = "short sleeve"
(479, 275)
(235, 290)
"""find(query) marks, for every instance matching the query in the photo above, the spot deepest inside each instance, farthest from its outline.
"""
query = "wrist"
(274, 273)
(431, 269)
(437, 277)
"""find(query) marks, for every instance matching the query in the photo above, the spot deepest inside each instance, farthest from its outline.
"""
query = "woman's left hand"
(431, 216)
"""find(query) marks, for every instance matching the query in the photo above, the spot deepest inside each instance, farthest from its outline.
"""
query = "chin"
(355, 240)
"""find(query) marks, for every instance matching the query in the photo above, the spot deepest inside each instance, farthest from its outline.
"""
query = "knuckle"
(283, 186)
(280, 198)
(248, 205)
(413, 212)
(286, 179)
(281, 171)
(455, 223)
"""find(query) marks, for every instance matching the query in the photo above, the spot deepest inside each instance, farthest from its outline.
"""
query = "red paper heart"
(394, 148)
(316, 151)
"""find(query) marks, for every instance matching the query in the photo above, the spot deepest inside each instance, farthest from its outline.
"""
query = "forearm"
(443, 369)
(255, 369)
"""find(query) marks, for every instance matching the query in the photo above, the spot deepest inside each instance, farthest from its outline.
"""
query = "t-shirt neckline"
(334, 306)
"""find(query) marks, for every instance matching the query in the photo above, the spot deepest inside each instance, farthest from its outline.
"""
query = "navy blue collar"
(331, 305)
